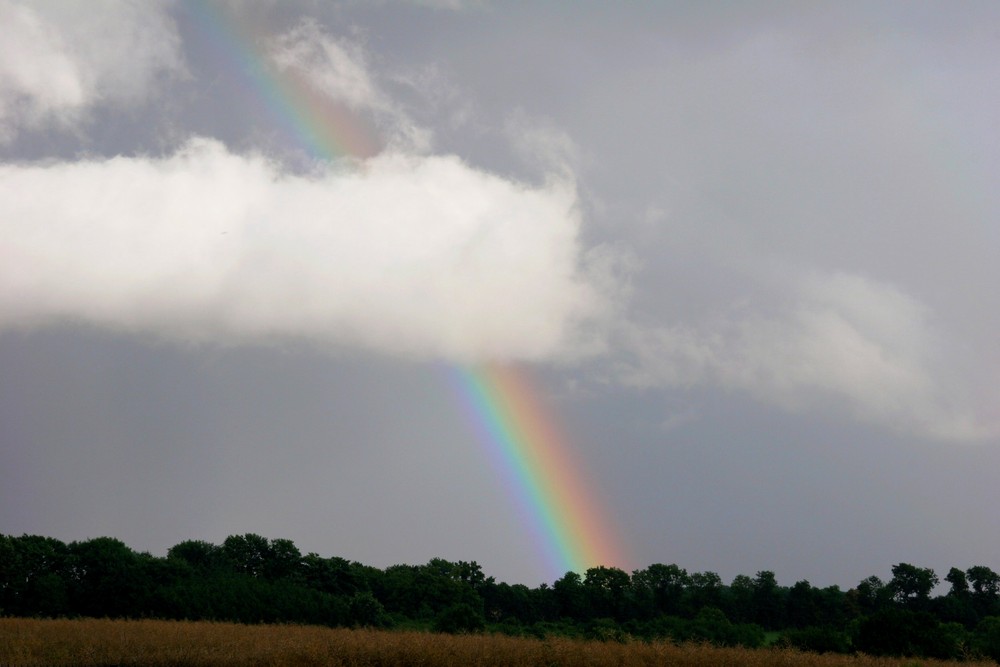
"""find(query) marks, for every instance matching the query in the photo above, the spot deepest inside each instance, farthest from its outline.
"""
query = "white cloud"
(542, 144)
(338, 69)
(410, 255)
(406, 253)
(844, 339)
(58, 60)
(335, 67)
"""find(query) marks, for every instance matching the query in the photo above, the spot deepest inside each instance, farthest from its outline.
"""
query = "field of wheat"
(93, 643)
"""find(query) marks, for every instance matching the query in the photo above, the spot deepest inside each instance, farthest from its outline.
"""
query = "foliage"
(987, 637)
(459, 618)
(911, 585)
(253, 579)
(365, 611)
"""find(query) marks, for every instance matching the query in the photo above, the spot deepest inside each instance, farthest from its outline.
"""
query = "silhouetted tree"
(105, 578)
(706, 590)
(252, 579)
(366, 611)
(459, 618)
(870, 596)
(283, 560)
(334, 576)
(247, 554)
(802, 608)
(739, 605)
(571, 596)
(767, 601)
(911, 586)
(986, 639)
(985, 590)
(34, 576)
(957, 605)
(606, 589)
(660, 589)
(197, 553)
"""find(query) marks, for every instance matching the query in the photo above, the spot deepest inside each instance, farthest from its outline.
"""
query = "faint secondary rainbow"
(538, 469)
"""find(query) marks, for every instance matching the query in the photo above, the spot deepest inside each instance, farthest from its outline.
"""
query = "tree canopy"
(252, 579)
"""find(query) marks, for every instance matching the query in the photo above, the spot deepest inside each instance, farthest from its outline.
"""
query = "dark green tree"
(366, 611)
(107, 579)
(660, 589)
(956, 606)
(334, 576)
(767, 601)
(35, 576)
(422, 592)
(283, 560)
(712, 625)
(571, 597)
(986, 638)
(959, 583)
(911, 585)
(471, 574)
(833, 606)
(546, 602)
(515, 604)
(985, 590)
(201, 555)
(606, 592)
(903, 632)
(802, 607)
(870, 596)
(706, 590)
(459, 618)
(247, 554)
(739, 605)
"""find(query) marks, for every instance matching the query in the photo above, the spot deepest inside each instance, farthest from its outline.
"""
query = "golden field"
(92, 643)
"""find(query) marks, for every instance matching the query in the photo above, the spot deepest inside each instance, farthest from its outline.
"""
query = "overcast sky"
(747, 252)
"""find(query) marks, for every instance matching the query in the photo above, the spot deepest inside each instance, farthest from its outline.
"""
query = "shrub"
(365, 610)
(818, 640)
(459, 618)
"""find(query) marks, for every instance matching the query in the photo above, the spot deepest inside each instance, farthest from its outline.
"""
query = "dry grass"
(91, 643)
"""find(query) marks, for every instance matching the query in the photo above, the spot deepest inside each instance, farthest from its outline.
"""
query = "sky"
(740, 257)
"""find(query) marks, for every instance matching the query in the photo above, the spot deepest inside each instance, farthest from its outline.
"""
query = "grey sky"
(748, 253)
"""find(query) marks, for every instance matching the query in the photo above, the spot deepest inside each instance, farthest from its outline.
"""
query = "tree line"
(253, 579)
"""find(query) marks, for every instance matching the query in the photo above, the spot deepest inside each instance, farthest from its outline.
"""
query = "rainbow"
(328, 130)
(527, 448)
(539, 468)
